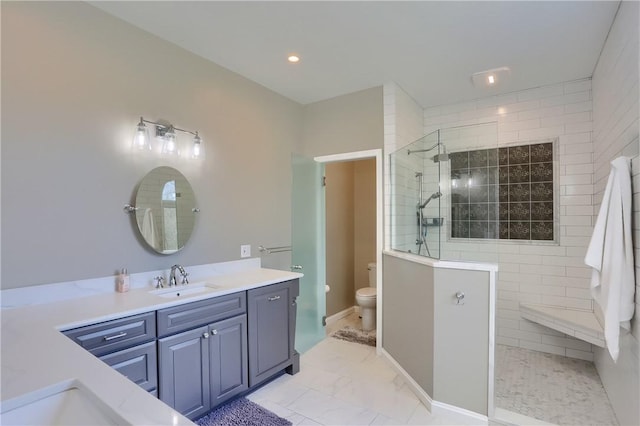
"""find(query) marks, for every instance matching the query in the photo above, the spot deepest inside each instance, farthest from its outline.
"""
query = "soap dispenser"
(122, 281)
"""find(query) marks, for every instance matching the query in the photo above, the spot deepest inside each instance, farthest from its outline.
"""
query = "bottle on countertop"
(122, 281)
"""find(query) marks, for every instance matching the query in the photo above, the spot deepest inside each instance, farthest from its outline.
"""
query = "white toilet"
(366, 299)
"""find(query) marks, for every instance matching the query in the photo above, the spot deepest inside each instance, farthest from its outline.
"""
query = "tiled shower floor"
(552, 388)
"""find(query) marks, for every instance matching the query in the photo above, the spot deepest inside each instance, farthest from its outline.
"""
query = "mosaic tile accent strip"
(503, 193)
(551, 388)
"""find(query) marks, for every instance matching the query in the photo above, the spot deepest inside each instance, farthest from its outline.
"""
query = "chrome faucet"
(183, 275)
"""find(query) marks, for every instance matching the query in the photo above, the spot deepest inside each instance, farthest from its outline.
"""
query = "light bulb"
(141, 137)
(169, 146)
(197, 150)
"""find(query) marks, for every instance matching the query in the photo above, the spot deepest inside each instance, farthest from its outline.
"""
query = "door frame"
(362, 155)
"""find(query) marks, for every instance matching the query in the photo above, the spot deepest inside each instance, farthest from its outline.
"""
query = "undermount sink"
(185, 290)
(67, 403)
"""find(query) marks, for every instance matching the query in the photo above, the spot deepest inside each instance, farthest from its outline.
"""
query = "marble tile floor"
(551, 388)
(344, 383)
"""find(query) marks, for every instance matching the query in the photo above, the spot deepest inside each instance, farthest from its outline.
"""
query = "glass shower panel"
(416, 217)
(445, 195)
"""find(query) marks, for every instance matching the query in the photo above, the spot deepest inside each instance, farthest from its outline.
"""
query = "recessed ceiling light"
(293, 59)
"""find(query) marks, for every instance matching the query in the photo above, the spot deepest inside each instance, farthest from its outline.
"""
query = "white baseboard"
(451, 411)
(413, 385)
(342, 314)
(435, 407)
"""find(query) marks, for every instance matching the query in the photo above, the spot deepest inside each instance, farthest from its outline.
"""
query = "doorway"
(353, 232)
(350, 211)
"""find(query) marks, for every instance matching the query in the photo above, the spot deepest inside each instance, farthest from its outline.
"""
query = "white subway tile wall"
(616, 94)
(403, 124)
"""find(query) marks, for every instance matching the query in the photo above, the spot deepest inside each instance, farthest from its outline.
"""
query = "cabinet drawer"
(185, 317)
(110, 336)
(139, 364)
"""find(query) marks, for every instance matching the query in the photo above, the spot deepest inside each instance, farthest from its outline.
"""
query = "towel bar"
(270, 250)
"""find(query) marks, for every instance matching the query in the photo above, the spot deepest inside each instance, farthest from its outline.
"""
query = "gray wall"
(408, 312)
(348, 123)
(439, 343)
(461, 336)
(74, 83)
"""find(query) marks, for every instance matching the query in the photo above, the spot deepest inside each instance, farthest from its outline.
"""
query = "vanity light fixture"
(293, 59)
(166, 133)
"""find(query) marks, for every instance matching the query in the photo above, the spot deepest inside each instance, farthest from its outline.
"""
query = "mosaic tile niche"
(503, 193)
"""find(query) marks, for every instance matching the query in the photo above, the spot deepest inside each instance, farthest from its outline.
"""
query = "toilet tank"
(372, 274)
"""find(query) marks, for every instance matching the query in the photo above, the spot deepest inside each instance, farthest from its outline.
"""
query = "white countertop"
(444, 264)
(35, 354)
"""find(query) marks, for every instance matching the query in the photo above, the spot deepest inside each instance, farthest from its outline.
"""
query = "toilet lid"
(367, 292)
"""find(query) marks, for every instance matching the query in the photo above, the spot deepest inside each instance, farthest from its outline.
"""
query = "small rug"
(356, 335)
(242, 412)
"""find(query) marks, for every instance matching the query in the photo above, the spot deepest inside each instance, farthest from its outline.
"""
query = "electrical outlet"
(245, 250)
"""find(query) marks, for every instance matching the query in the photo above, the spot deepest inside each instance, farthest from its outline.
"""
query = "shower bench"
(582, 325)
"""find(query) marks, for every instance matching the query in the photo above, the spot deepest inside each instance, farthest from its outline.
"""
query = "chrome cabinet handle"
(205, 335)
(296, 267)
(460, 297)
(272, 298)
(115, 336)
(214, 332)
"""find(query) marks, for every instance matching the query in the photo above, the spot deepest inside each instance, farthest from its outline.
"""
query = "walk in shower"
(457, 195)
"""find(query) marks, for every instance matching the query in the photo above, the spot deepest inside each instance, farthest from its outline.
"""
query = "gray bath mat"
(355, 335)
(242, 412)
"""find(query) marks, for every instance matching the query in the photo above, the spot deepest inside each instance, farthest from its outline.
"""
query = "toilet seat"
(366, 292)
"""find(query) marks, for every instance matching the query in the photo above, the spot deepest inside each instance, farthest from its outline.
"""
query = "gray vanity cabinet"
(184, 378)
(201, 368)
(228, 367)
(208, 351)
(272, 311)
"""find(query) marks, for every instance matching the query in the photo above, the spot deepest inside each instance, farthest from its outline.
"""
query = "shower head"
(436, 194)
(440, 157)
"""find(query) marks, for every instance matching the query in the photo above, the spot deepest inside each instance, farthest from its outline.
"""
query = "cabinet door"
(270, 330)
(138, 364)
(184, 372)
(228, 358)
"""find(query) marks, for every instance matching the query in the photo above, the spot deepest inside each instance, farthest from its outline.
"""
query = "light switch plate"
(245, 250)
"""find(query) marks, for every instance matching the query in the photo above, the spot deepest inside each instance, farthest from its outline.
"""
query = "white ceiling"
(430, 48)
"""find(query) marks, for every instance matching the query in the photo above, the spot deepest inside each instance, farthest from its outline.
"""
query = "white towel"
(610, 254)
(149, 228)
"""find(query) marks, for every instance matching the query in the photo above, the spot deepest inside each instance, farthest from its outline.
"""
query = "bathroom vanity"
(193, 351)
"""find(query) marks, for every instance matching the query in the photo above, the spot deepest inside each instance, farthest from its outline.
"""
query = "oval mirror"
(165, 209)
